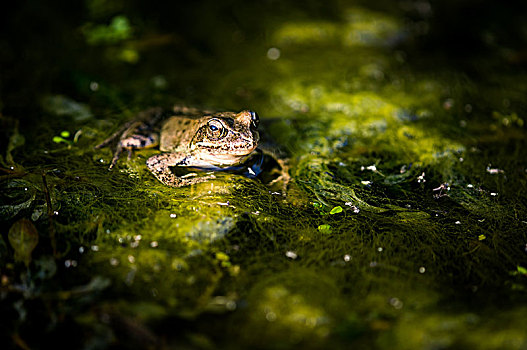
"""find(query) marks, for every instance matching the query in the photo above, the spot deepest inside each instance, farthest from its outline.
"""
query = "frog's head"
(227, 138)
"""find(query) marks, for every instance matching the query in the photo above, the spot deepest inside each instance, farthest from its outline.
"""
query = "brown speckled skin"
(192, 138)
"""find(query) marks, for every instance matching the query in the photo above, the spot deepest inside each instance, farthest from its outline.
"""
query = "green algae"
(403, 225)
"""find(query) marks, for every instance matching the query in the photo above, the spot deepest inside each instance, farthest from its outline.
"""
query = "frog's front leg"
(160, 165)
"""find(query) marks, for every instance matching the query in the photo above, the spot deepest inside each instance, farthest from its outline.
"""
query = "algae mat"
(404, 224)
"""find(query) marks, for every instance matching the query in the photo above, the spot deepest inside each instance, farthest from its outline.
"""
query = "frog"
(192, 139)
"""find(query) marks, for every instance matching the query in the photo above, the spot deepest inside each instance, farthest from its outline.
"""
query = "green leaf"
(522, 270)
(65, 133)
(23, 237)
(336, 210)
(222, 256)
(325, 228)
(58, 139)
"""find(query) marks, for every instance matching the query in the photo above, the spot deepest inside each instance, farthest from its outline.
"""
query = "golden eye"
(215, 129)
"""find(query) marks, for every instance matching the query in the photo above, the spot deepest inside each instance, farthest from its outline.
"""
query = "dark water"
(404, 224)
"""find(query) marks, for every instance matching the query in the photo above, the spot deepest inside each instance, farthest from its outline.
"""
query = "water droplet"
(291, 255)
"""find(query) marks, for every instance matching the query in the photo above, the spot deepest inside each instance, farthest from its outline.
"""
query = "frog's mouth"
(232, 156)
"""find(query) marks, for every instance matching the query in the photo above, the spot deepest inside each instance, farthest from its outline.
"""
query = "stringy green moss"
(428, 170)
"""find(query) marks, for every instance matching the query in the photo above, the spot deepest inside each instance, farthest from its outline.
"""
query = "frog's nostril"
(254, 119)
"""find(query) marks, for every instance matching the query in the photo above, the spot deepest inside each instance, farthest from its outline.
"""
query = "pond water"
(404, 223)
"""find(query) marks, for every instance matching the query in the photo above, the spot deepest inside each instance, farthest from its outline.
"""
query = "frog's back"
(177, 132)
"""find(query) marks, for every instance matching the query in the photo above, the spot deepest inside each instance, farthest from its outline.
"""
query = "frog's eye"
(215, 129)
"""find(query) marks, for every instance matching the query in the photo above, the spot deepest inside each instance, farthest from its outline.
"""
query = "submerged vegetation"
(404, 224)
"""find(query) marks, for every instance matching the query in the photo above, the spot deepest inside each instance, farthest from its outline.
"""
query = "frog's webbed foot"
(160, 164)
(136, 134)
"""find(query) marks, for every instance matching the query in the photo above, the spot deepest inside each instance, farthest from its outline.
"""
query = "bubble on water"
(396, 303)
(230, 305)
(94, 86)
(273, 53)
(270, 316)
